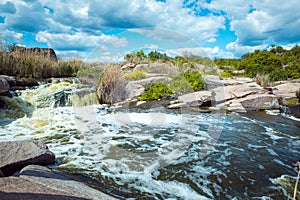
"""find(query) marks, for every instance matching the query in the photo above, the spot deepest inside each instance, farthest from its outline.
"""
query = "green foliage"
(195, 80)
(90, 74)
(136, 75)
(156, 91)
(179, 84)
(154, 55)
(223, 63)
(227, 74)
(278, 63)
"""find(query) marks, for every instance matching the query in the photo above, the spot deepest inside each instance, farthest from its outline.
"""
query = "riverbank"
(25, 177)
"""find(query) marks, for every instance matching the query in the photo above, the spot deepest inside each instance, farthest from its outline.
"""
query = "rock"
(158, 68)
(45, 52)
(134, 89)
(4, 86)
(225, 93)
(213, 81)
(178, 105)
(236, 107)
(141, 67)
(151, 80)
(10, 79)
(287, 89)
(260, 102)
(128, 66)
(37, 182)
(287, 93)
(195, 99)
(298, 94)
(17, 154)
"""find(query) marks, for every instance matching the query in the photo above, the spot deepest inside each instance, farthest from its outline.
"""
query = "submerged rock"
(17, 154)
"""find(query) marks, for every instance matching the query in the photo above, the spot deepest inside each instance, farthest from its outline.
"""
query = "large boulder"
(286, 89)
(17, 154)
(194, 99)
(225, 93)
(45, 52)
(287, 93)
(213, 81)
(251, 103)
(37, 182)
(158, 68)
(4, 86)
(260, 102)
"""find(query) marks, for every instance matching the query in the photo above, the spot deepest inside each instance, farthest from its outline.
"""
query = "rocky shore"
(23, 175)
(226, 94)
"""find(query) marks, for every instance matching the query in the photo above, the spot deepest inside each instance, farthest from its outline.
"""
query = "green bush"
(156, 91)
(179, 84)
(195, 80)
(136, 75)
(227, 74)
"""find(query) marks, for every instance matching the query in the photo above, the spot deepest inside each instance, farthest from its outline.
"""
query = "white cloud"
(126, 14)
(151, 46)
(214, 52)
(239, 50)
(258, 21)
(78, 41)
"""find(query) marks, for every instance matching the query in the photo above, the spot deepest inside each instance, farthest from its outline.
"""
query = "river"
(157, 153)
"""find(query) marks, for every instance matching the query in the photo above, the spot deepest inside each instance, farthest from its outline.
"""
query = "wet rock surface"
(17, 154)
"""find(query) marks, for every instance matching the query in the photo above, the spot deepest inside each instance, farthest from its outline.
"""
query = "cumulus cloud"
(214, 52)
(7, 8)
(258, 21)
(239, 50)
(79, 41)
(125, 14)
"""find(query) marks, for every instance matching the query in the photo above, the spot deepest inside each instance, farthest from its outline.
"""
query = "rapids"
(158, 153)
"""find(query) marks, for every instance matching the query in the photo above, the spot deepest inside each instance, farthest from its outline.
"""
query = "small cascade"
(13, 108)
(61, 93)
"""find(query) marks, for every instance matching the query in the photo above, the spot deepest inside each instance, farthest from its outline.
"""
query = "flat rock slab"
(17, 154)
(37, 182)
(287, 89)
(225, 93)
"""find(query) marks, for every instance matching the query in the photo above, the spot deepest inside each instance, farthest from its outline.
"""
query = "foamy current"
(159, 154)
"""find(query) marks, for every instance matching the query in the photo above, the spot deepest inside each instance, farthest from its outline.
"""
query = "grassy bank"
(26, 65)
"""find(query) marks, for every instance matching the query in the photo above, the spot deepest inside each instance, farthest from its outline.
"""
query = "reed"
(30, 65)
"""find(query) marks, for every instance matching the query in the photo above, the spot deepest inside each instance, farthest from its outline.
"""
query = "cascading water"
(157, 153)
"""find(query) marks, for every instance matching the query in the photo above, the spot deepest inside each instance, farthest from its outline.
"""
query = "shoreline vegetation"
(156, 76)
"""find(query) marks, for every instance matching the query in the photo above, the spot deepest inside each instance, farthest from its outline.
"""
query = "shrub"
(195, 80)
(263, 80)
(156, 91)
(136, 75)
(179, 84)
(227, 74)
(111, 87)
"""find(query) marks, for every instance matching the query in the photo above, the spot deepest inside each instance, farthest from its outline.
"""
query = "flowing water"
(157, 153)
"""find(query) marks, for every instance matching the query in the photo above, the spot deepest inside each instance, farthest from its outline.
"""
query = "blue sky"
(101, 30)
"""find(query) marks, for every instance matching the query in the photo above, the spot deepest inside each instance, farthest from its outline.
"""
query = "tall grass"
(111, 87)
(263, 80)
(29, 65)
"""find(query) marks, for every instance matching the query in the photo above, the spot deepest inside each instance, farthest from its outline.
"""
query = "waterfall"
(61, 93)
